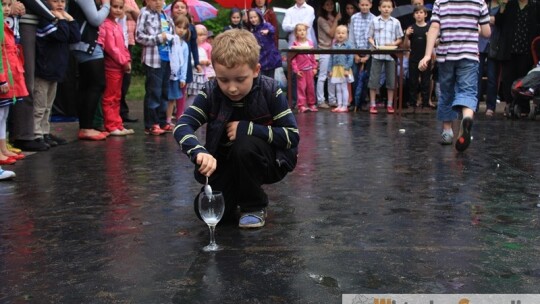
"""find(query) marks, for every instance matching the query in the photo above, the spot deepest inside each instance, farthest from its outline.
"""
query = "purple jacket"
(269, 57)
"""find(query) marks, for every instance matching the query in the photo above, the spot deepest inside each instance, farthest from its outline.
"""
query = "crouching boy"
(251, 134)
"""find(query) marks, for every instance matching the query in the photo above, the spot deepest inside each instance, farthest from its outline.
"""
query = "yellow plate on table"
(387, 47)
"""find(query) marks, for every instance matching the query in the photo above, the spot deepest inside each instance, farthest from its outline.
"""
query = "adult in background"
(518, 21)
(327, 23)
(21, 129)
(132, 12)
(269, 16)
(89, 54)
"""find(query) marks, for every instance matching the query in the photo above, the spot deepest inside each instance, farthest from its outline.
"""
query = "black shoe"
(30, 145)
(128, 119)
(59, 140)
(464, 138)
(42, 140)
(48, 140)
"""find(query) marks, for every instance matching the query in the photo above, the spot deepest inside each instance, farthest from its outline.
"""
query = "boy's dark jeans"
(241, 170)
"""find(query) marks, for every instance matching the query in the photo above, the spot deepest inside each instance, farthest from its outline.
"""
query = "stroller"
(524, 91)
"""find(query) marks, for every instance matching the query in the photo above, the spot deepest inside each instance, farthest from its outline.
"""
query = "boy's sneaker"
(447, 138)
(373, 110)
(253, 219)
(464, 138)
(118, 133)
(313, 109)
(154, 130)
(390, 110)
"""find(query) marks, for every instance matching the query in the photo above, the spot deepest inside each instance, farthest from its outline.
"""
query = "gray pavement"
(368, 210)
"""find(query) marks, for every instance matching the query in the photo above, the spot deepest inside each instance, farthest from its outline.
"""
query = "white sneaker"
(118, 133)
(128, 131)
(5, 174)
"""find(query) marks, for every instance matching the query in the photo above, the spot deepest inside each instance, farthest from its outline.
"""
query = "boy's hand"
(207, 163)
(182, 84)
(409, 31)
(424, 63)
(231, 130)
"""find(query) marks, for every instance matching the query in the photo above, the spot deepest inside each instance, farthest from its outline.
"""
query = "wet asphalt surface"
(368, 210)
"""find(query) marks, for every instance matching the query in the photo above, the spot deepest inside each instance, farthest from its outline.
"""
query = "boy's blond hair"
(236, 47)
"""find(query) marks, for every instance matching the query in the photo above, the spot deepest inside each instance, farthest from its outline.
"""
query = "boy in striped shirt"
(251, 134)
(459, 23)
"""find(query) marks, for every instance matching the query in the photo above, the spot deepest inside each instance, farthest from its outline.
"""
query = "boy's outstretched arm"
(432, 35)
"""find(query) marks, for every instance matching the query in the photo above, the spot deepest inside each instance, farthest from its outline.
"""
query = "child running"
(340, 66)
(305, 67)
(251, 135)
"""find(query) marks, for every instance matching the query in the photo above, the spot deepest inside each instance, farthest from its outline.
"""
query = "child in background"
(179, 7)
(340, 66)
(270, 59)
(252, 135)
(235, 18)
(204, 47)
(52, 61)
(179, 62)
(305, 67)
(199, 76)
(117, 62)
(384, 30)
(154, 33)
(12, 86)
(415, 39)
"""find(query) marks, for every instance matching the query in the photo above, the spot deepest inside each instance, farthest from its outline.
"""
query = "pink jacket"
(111, 37)
(302, 62)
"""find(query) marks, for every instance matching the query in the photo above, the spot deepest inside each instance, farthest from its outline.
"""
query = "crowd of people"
(177, 59)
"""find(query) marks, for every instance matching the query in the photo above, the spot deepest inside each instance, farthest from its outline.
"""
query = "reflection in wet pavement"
(369, 209)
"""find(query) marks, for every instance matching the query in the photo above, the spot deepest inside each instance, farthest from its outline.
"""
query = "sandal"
(254, 219)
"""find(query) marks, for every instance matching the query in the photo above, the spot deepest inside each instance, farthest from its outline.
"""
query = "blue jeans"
(459, 86)
(491, 86)
(155, 97)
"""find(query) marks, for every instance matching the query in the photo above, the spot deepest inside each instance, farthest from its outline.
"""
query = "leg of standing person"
(390, 72)
(413, 83)
(91, 86)
(111, 103)
(321, 79)
(301, 92)
(124, 108)
(310, 91)
(492, 87)
(22, 113)
(425, 86)
(152, 100)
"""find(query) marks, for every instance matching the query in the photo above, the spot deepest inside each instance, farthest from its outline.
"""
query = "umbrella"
(404, 13)
(236, 3)
(199, 10)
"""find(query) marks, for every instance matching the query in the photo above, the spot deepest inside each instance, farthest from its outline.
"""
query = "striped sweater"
(459, 21)
(263, 113)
